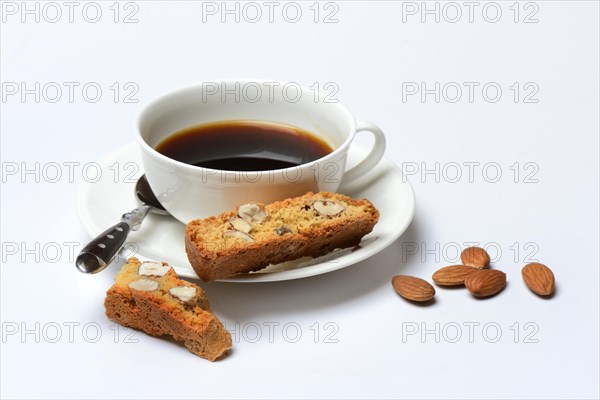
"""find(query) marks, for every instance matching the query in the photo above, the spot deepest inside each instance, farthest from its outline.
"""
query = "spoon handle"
(100, 252)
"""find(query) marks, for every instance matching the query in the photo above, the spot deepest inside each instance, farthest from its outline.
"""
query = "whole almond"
(485, 282)
(412, 288)
(539, 278)
(452, 275)
(475, 257)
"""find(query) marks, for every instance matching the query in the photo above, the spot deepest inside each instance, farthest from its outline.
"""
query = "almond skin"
(453, 275)
(475, 257)
(414, 289)
(485, 282)
(539, 278)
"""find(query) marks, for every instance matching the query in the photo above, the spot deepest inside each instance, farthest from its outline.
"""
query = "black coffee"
(244, 146)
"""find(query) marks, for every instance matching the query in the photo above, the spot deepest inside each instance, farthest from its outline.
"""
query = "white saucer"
(101, 203)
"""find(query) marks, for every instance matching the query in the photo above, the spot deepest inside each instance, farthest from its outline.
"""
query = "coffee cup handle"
(374, 156)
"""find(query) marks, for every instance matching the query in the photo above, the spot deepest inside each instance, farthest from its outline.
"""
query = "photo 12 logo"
(289, 332)
(252, 12)
(470, 92)
(52, 12)
(56, 172)
(453, 12)
(471, 172)
(53, 252)
(253, 92)
(450, 252)
(469, 332)
(66, 332)
(325, 172)
(69, 92)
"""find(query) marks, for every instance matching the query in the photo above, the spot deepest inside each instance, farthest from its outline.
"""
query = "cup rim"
(194, 168)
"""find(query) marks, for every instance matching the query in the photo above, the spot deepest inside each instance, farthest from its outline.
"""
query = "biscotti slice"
(148, 296)
(253, 236)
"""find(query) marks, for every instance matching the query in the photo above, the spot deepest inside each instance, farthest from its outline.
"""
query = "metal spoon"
(99, 253)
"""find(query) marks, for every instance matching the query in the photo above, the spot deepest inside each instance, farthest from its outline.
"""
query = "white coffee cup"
(189, 192)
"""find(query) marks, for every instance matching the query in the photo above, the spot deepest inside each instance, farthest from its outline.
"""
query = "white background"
(374, 51)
